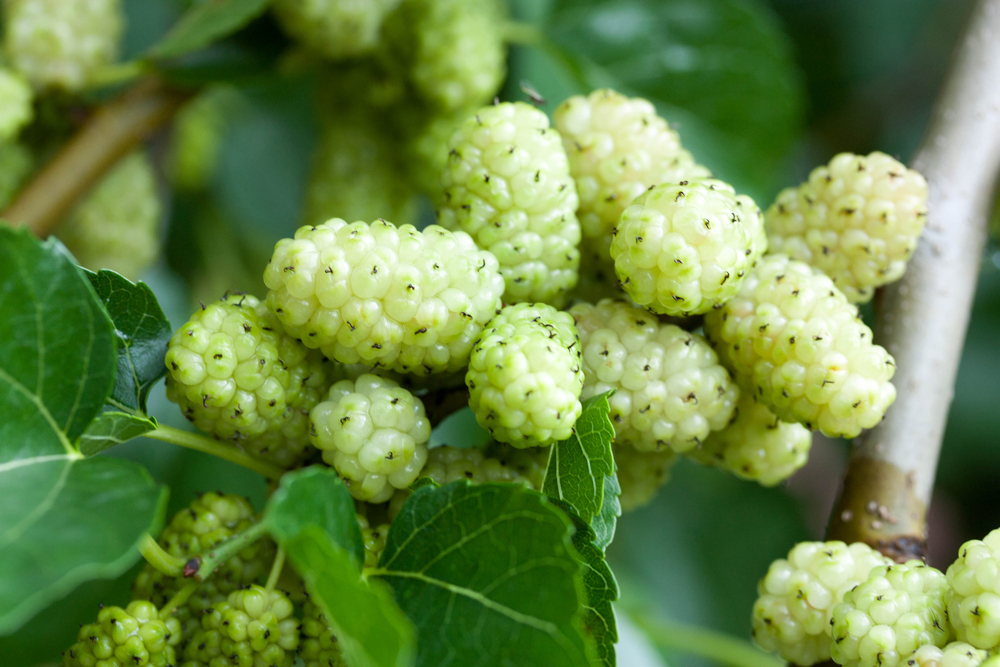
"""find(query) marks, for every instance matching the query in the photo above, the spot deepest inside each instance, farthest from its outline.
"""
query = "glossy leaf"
(578, 465)
(207, 22)
(488, 575)
(64, 521)
(371, 630)
(112, 428)
(143, 332)
(316, 496)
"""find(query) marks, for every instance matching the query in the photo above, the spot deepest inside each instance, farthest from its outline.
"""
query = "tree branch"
(922, 319)
(113, 131)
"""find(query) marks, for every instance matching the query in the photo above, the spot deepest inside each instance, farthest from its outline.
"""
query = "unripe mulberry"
(495, 463)
(882, 621)
(757, 445)
(374, 433)
(796, 599)
(374, 539)
(974, 601)
(126, 638)
(793, 340)
(507, 184)
(16, 109)
(406, 300)
(253, 627)
(236, 375)
(618, 148)
(210, 520)
(955, 654)
(684, 248)
(452, 50)
(670, 390)
(427, 148)
(117, 224)
(525, 376)
(856, 219)
(318, 646)
(62, 43)
(337, 29)
(356, 174)
(641, 474)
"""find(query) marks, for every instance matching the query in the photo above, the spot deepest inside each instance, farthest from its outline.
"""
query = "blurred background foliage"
(761, 91)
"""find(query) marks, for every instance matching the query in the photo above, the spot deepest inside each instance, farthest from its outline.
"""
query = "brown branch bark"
(922, 319)
(112, 132)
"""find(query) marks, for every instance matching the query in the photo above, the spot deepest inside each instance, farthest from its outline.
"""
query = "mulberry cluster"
(495, 463)
(955, 654)
(882, 621)
(684, 248)
(318, 647)
(793, 340)
(126, 638)
(236, 374)
(856, 219)
(974, 601)
(254, 627)
(374, 433)
(525, 376)
(335, 28)
(670, 390)
(210, 520)
(796, 599)
(407, 300)
(507, 184)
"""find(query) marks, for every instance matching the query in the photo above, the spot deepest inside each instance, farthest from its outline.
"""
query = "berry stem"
(116, 74)
(156, 556)
(922, 319)
(112, 132)
(179, 599)
(227, 452)
(279, 564)
(201, 567)
(717, 646)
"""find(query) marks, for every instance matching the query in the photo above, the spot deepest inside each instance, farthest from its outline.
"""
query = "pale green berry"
(318, 646)
(955, 654)
(336, 29)
(974, 601)
(796, 599)
(16, 109)
(62, 43)
(374, 433)
(684, 248)
(857, 219)
(507, 184)
(756, 445)
(792, 339)
(130, 637)
(618, 148)
(374, 538)
(525, 376)
(117, 224)
(890, 615)
(399, 298)
(493, 464)
(670, 390)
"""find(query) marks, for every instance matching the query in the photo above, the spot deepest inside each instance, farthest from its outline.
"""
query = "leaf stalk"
(229, 453)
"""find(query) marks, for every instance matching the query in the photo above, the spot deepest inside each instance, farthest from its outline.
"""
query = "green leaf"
(57, 349)
(578, 465)
(600, 586)
(143, 332)
(723, 68)
(112, 428)
(316, 496)
(488, 575)
(66, 521)
(371, 630)
(205, 23)
(604, 523)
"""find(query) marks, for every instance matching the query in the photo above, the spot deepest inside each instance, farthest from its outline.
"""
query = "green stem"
(158, 558)
(202, 444)
(720, 647)
(207, 564)
(179, 599)
(279, 564)
(116, 74)
(525, 34)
